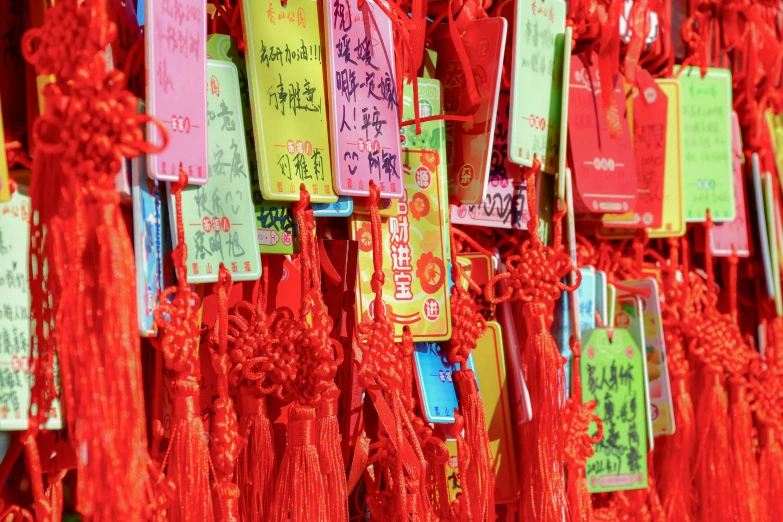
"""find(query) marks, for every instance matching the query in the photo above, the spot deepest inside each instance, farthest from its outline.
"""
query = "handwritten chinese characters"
(539, 38)
(612, 374)
(707, 167)
(219, 218)
(287, 89)
(364, 99)
(275, 228)
(15, 365)
(415, 253)
(176, 49)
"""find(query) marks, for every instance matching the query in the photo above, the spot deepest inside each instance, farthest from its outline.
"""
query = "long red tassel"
(481, 474)
(536, 273)
(714, 458)
(262, 364)
(257, 465)
(187, 457)
(330, 452)
(468, 325)
(542, 473)
(299, 496)
(89, 123)
(750, 505)
(674, 454)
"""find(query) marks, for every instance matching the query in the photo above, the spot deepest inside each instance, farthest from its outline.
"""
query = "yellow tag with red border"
(416, 253)
(490, 367)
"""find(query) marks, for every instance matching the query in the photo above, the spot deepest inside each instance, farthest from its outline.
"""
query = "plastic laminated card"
(218, 217)
(148, 239)
(651, 321)
(416, 253)
(707, 163)
(176, 74)
(539, 39)
(364, 99)
(16, 376)
(288, 95)
(612, 373)
(469, 143)
(434, 375)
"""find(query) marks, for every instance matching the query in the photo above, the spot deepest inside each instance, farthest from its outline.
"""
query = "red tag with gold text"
(604, 167)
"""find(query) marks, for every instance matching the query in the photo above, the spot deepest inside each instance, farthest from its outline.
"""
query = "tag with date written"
(612, 374)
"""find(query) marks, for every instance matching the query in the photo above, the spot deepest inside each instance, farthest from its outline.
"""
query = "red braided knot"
(261, 350)
(68, 40)
(535, 274)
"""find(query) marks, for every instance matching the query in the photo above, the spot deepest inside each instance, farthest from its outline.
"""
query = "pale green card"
(219, 218)
(537, 88)
(15, 368)
(707, 154)
(613, 374)
(274, 220)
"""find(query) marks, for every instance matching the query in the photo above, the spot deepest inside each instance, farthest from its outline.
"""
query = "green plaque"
(707, 154)
(537, 89)
(613, 374)
(219, 217)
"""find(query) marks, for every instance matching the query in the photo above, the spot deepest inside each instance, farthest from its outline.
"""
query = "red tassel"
(480, 471)
(542, 472)
(257, 466)
(714, 458)
(770, 467)
(331, 455)
(299, 496)
(674, 454)
(188, 457)
(750, 507)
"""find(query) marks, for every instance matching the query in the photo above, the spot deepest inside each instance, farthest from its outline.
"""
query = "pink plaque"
(364, 99)
(177, 87)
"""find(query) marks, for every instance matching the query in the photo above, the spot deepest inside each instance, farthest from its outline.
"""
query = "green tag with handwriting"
(613, 374)
(707, 154)
(218, 217)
